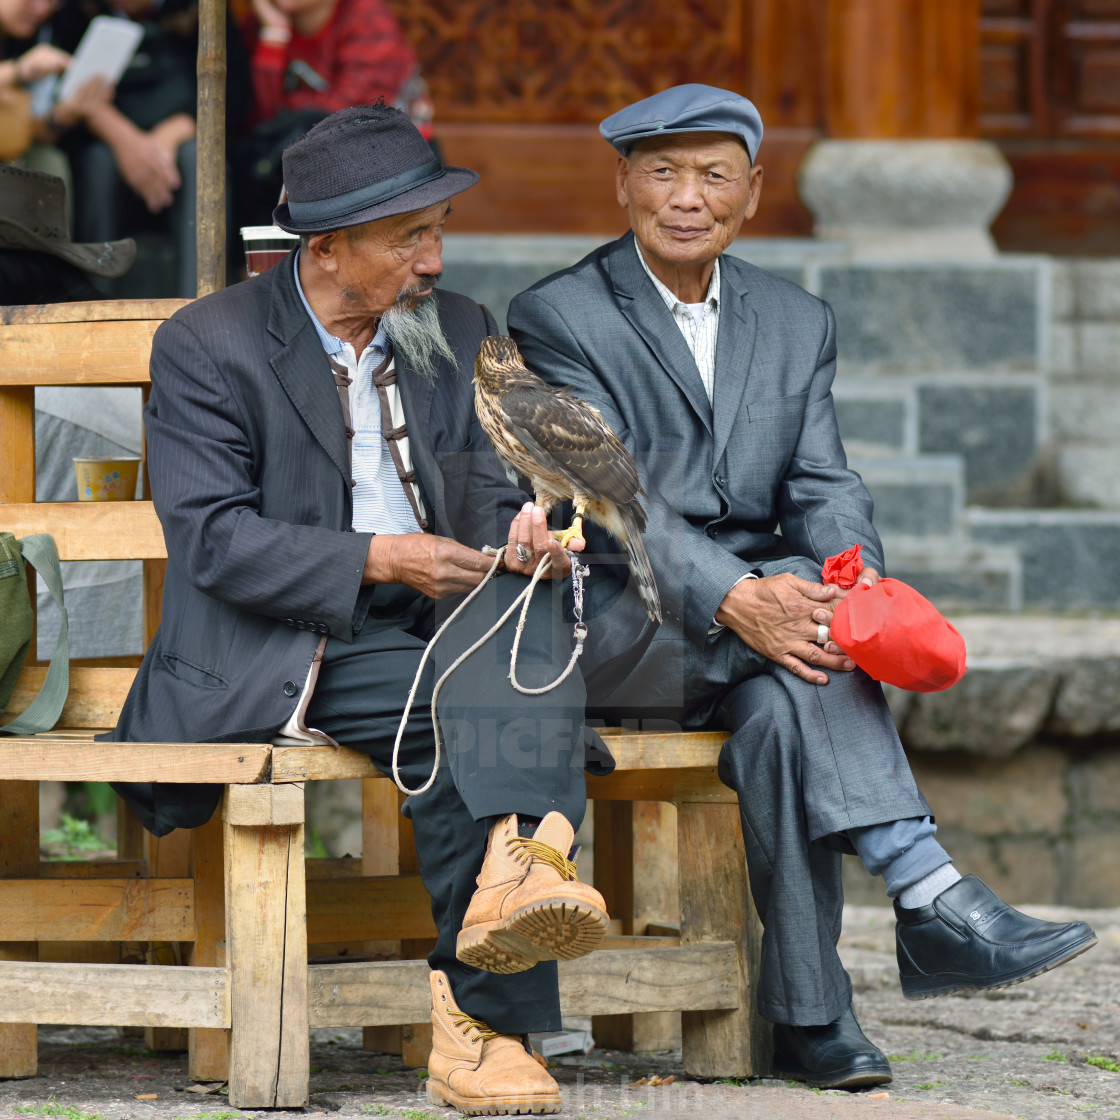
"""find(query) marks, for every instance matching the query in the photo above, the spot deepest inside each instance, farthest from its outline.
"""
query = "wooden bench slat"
(93, 703)
(89, 311)
(97, 910)
(106, 995)
(92, 530)
(642, 751)
(93, 869)
(103, 351)
(693, 977)
(61, 760)
(388, 907)
(661, 785)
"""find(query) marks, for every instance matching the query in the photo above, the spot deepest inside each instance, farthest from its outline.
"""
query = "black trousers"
(504, 752)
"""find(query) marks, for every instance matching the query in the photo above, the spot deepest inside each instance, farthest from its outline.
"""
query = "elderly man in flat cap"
(324, 486)
(718, 377)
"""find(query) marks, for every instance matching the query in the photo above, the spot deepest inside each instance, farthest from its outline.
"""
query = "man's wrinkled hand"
(530, 530)
(435, 566)
(779, 617)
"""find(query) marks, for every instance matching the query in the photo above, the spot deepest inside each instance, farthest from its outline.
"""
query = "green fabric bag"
(17, 622)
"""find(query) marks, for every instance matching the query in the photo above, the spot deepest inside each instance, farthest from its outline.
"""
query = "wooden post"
(169, 857)
(211, 217)
(716, 905)
(636, 869)
(266, 946)
(380, 856)
(209, 1048)
(902, 71)
(19, 801)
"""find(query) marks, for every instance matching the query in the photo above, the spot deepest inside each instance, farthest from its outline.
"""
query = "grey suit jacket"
(721, 479)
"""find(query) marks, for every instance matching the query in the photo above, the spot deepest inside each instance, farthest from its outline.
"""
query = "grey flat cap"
(688, 108)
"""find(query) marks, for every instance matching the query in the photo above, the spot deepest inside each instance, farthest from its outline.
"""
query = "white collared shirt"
(698, 322)
(380, 503)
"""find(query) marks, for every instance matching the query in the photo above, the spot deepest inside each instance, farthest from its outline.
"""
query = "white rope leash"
(579, 571)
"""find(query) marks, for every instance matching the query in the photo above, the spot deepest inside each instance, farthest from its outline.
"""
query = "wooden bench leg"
(208, 1047)
(266, 945)
(19, 859)
(169, 857)
(636, 872)
(716, 905)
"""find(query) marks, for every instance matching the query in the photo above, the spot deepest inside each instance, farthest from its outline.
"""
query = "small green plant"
(1054, 1056)
(1102, 1062)
(979, 1058)
(214, 1116)
(73, 835)
(313, 846)
(931, 1085)
(420, 1114)
(53, 1108)
(916, 1056)
(1018, 1083)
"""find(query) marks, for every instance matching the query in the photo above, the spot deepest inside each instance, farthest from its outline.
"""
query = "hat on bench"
(33, 216)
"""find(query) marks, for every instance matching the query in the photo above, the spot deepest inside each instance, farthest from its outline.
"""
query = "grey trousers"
(808, 762)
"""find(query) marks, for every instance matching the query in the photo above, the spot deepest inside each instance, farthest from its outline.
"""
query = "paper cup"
(104, 478)
(265, 246)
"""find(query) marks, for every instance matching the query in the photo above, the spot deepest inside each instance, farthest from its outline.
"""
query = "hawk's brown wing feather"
(569, 438)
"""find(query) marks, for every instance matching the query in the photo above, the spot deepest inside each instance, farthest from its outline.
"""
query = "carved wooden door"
(1050, 95)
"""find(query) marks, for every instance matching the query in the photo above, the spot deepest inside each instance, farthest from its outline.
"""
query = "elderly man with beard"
(325, 489)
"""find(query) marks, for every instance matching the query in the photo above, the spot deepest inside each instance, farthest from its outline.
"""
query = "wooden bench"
(237, 901)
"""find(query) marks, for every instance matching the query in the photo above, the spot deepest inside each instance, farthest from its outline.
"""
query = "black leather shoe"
(836, 1056)
(968, 940)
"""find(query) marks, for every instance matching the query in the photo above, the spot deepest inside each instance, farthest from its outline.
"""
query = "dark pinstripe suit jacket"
(251, 480)
(721, 477)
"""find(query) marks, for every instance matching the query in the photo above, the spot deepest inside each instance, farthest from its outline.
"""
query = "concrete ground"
(1046, 1050)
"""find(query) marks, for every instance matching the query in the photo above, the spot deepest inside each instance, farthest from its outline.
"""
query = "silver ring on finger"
(822, 633)
(523, 554)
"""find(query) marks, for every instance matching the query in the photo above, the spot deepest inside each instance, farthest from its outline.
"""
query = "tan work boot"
(529, 907)
(479, 1072)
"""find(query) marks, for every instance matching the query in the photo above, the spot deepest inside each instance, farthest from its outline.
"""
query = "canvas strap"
(42, 713)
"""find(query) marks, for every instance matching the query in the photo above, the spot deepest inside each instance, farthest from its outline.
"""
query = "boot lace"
(467, 1024)
(545, 853)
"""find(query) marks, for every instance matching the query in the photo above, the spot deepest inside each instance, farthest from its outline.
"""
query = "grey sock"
(926, 889)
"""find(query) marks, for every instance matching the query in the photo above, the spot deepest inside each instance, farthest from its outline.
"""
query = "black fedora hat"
(33, 216)
(360, 164)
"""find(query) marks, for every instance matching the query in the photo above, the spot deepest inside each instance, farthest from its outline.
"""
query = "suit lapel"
(738, 324)
(302, 369)
(643, 306)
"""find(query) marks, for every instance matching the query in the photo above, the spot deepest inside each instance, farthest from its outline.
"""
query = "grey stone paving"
(1040, 1052)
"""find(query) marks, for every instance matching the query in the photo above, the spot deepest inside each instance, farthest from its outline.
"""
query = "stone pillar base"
(927, 199)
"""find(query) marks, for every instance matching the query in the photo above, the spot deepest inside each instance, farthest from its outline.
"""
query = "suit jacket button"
(720, 480)
(712, 532)
(301, 624)
(289, 622)
(324, 628)
(290, 688)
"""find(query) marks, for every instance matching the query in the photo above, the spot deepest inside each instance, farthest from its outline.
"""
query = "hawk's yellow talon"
(574, 531)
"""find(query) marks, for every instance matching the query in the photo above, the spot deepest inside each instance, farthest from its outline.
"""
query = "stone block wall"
(1021, 760)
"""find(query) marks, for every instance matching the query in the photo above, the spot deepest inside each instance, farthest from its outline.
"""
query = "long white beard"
(418, 337)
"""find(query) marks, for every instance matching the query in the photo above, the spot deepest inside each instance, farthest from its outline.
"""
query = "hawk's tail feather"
(634, 519)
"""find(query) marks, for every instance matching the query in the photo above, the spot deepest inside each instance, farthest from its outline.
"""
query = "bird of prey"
(566, 450)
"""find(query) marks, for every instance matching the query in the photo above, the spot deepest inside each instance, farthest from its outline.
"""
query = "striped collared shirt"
(380, 503)
(698, 322)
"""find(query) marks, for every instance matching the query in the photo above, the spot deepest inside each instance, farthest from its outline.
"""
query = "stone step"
(1071, 557)
(916, 496)
(959, 576)
(1029, 675)
(876, 415)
